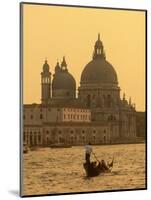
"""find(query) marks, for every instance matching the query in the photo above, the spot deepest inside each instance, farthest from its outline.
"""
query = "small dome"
(63, 80)
(99, 71)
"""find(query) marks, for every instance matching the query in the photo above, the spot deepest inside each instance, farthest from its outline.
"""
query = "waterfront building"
(97, 114)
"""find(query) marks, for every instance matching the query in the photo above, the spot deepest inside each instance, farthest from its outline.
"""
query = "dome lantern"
(57, 68)
(98, 49)
(64, 64)
(45, 67)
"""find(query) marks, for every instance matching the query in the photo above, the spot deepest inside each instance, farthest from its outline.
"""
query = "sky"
(51, 32)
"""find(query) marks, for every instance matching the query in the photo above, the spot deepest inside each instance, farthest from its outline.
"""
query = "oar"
(111, 164)
(95, 156)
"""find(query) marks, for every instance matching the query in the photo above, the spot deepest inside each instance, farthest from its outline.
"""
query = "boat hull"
(92, 170)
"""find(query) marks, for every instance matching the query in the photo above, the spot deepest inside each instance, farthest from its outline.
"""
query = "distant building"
(37, 114)
(96, 114)
(141, 124)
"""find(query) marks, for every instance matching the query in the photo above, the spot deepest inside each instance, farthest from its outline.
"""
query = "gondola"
(92, 169)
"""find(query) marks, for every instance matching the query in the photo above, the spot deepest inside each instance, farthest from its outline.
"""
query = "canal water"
(60, 170)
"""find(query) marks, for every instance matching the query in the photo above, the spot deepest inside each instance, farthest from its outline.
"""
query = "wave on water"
(53, 171)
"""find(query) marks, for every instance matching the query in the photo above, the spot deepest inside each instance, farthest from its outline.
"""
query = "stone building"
(96, 114)
(141, 124)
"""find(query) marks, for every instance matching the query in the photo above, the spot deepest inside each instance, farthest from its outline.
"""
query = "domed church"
(97, 114)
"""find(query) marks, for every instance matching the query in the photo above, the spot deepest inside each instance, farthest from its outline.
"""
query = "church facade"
(96, 114)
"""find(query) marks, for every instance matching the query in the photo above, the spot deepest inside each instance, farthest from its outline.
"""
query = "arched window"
(72, 139)
(83, 138)
(41, 116)
(93, 96)
(104, 138)
(94, 137)
(60, 139)
(31, 139)
(68, 93)
(47, 140)
(35, 138)
(109, 118)
(39, 138)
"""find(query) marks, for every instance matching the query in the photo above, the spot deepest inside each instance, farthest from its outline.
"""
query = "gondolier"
(88, 151)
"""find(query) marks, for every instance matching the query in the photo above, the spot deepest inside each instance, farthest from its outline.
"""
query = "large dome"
(99, 71)
(63, 80)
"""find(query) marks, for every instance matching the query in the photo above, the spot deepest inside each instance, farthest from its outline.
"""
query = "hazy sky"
(53, 32)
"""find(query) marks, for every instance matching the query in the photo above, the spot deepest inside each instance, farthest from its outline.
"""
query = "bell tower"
(45, 84)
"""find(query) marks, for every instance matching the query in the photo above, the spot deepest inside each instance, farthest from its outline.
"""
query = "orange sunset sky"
(53, 32)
